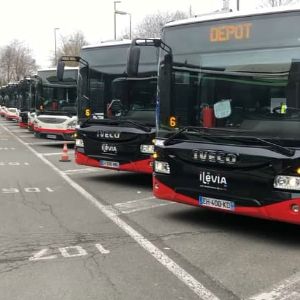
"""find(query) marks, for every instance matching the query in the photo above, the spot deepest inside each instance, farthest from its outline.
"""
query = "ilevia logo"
(110, 135)
(107, 148)
(212, 181)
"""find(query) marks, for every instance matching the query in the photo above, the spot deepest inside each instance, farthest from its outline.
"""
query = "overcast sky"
(33, 21)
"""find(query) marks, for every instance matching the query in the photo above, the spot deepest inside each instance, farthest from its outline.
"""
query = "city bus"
(10, 100)
(229, 114)
(116, 112)
(2, 101)
(56, 104)
(26, 96)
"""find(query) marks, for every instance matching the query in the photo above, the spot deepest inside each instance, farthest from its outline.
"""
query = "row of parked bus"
(212, 109)
(43, 104)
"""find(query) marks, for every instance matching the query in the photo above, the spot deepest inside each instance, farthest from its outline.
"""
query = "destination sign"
(226, 33)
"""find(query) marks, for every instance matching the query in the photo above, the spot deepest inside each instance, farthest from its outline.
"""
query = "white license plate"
(51, 136)
(216, 203)
(109, 164)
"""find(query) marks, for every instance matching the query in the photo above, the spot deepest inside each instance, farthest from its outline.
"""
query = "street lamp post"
(119, 12)
(55, 54)
(237, 5)
(115, 21)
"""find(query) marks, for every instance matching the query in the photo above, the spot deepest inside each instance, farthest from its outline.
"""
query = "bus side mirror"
(60, 70)
(133, 59)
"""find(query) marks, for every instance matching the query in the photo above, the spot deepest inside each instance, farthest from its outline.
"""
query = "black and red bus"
(229, 114)
(55, 104)
(116, 112)
(26, 99)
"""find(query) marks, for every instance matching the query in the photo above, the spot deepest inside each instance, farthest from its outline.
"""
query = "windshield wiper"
(273, 146)
(135, 124)
(118, 122)
(204, 130)
(209, 132)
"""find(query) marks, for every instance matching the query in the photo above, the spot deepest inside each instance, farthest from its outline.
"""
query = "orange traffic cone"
(64, 154)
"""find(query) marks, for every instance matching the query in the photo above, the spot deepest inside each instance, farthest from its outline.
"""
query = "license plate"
(51, 136)
(109, 164)
(216, 203)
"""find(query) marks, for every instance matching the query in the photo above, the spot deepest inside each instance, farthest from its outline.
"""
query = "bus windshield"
(254, 99)
(133, 98)
(245, 83)
(58, 99)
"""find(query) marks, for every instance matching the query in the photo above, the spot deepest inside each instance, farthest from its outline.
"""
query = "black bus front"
(228, 128)
(119, 127)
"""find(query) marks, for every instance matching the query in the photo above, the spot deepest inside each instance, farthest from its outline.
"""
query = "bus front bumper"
(278, 211)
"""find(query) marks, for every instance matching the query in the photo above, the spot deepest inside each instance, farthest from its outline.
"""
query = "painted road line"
(201, 291)
(7, 148)
(18, 130)
(49, 143)
(140, 205)
(289, 289)
(56, 153)
(81, 171)
(29, 135)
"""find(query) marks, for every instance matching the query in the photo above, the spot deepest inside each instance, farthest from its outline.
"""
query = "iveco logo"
(215, 157)
(111, 135)
(107, 148)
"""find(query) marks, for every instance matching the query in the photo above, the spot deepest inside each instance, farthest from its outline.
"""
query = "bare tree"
(151, 25)
(70, 45)
(274, 3)
(16, 62)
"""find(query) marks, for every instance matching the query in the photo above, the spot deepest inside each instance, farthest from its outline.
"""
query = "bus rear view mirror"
(133, 59)
(222, 109)
(60, 70)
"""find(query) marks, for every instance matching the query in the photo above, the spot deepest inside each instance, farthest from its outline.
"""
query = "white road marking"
(288, 289)
(40, 255)
(12, 190)
(13, 163)
(65, 251)
(27, 136)
(101, 249)
(18, 130)
(139, 205)
(48, 143)
(7, 148)
(3, 139)
(81, 171)
(159, 255)
(54, 153)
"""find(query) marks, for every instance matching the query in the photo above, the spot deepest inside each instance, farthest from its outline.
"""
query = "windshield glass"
(247, 83)
(57, 99)
(263, 104)
(133, 99)
(99, 94)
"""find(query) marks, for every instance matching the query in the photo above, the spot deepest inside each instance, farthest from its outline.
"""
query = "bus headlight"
(162, 167)
(79, 143)
(149, 149)
(287, 182)
(159, 143)
(72, 124)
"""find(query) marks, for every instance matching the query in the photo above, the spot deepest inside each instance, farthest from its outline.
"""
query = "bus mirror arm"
(158, 43)
(60, 70)
(78, 59)
(133, 57)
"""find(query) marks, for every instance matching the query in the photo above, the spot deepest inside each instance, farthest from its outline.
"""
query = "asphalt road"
(74, 232)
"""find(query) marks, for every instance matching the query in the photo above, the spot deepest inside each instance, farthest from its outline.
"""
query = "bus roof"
(108, 44)
(232, 15)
